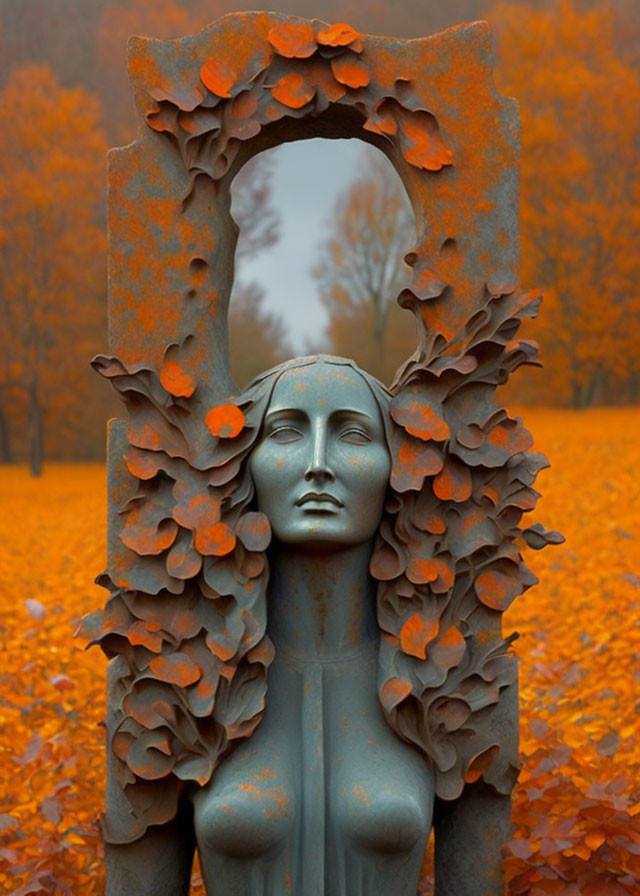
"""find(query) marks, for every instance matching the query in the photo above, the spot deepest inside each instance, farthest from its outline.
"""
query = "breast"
(378, 819)
(248, 816)
(381, 789)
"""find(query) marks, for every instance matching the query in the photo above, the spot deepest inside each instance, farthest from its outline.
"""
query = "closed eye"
(285, 434)
(355, 436)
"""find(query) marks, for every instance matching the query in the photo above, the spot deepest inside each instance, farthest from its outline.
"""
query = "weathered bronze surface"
(186, 619)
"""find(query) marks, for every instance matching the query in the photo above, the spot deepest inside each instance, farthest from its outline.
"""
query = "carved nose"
(319, 464)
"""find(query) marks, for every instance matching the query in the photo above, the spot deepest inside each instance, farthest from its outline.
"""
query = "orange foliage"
(52, 248)
(580, 202)
(577, 804)
(164, 19)
(257, 337)
(360, 270)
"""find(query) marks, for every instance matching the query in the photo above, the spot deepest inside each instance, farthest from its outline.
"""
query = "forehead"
(329, 387)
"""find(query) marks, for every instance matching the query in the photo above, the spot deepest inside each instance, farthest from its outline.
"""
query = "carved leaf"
(338, 35)
(497, 590)
(426, 149)
(215, 540)
(350, 71)
(293, 90)
(411, 409)
(254, 531)
(480, 763)
(453, 482)
(449, 648)
(416, 633)
(225, 421)
(176, 380)
(394, 691)
(217, 77)
(175, 668)
(293, 40)
(413, 461)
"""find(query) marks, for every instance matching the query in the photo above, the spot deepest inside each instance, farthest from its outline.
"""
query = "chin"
(321, 539)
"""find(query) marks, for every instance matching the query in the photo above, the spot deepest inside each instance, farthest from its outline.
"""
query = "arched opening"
(324, 226)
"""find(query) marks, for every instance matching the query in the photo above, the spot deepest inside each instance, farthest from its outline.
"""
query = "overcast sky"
(307, 179)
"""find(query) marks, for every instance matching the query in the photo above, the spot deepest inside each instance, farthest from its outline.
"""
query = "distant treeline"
(574, 65)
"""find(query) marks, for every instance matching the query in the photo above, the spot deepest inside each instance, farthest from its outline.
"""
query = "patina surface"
(187, 574)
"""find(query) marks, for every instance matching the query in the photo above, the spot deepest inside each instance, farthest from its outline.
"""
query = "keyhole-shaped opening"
(324, 227)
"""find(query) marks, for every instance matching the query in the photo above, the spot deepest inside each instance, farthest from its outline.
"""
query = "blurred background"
(323, 229)
(324, 224)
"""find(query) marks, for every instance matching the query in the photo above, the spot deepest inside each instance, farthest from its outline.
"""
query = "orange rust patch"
(293, 90)
(338, 35)
(428, 151)
(497, 590)
(449, 648)
(175, 668)
(321, 76)
(361, 794)
(251, 788)
(176, 381)
(146, 635)
(293, 40)
(279, 796)
(421, 571)
(225, 421)
(217, 77)
(420, 420)
(453, 482)
(416, 634)
(394, 691)
(350, 71)
(216, 540)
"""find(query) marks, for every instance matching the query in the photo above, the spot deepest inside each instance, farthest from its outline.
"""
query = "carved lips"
(319, 498)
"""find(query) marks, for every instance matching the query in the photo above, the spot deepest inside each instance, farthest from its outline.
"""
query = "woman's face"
(322, 466)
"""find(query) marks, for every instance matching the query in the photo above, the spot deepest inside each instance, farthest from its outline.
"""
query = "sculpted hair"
(186, 623)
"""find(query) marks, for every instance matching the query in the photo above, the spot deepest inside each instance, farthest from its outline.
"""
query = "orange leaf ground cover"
(577, 804)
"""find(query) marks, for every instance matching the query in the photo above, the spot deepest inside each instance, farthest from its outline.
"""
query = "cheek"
(263, 470)
(369, 478)
(272, 475)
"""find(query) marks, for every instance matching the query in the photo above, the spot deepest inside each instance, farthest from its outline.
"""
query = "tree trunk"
(36, 430)
(6, 454)
(379, 328)
(593, 387)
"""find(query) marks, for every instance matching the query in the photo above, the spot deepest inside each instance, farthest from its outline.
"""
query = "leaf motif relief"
(218, 77)
(293, 90)
(192, 612)
(351, 72)
(225, 421)
(338, 35)
(293, 40)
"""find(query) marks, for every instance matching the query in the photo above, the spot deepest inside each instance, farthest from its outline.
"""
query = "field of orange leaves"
(577, 803)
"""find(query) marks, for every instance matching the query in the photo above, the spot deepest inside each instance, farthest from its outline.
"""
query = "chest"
(322, 791)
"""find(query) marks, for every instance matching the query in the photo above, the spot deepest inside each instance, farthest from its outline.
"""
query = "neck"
(322, 605)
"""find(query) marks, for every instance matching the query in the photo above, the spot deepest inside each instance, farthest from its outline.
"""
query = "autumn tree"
(258, 338)
(361, 269)
(118, 21)
(580, 203)
(52, 277)
(52, 247)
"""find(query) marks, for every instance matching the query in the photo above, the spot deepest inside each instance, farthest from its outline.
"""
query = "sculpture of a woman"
(334, 791)
(307, 579)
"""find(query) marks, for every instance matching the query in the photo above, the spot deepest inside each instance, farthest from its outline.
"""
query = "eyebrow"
(276, 413)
